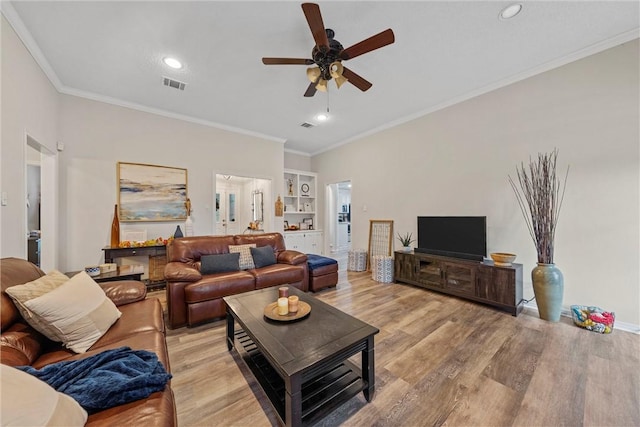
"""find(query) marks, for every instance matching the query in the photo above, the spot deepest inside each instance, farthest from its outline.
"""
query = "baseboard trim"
(623, 326)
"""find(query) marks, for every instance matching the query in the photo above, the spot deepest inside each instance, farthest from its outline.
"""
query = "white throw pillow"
(246, 260)
(28, 401)
(79, 312)
(21, 294)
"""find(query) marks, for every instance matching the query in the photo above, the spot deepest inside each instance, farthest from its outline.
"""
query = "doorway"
(33, 201)
(239, 202)
(40, 200)
(338, 196)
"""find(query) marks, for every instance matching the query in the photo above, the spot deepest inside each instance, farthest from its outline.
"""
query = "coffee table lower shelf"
(320, 395)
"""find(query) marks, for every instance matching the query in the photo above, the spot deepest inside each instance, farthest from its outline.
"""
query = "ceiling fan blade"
(372, 43)
(286, 61)
(311, 90)
(356, 80)
(314, 19)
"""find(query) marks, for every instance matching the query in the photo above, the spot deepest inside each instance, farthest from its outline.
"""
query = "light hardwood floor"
(439, 361)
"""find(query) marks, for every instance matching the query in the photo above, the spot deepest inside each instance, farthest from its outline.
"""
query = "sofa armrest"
(124, 291)
(181, 272)
(292, 257)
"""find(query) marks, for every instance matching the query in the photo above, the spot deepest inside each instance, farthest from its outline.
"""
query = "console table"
(157, 259)
(123, 272)
(473, 280)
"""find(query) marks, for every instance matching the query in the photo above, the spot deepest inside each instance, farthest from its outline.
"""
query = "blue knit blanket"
(107, 379)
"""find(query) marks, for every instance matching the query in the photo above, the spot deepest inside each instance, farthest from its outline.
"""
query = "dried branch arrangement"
(540, 198)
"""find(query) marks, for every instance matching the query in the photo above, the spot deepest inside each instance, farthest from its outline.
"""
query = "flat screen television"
(453, 236)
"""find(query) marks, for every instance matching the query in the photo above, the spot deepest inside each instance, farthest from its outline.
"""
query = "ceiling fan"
(327, 55)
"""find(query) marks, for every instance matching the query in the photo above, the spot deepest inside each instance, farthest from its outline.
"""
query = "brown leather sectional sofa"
(193, 298)
(140, 327)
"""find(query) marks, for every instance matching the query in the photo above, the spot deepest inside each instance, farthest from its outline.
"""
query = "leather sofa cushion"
(124, 291)
(21, 345)
(144, 316)
(218, 286)
(155, 410)
(189, 250)
(148, 340)
(277, 274)
(275, 240)
(292, 257)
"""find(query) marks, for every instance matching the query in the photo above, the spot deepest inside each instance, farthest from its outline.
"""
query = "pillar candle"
(293, 304)
(283, 292)
(283, 306)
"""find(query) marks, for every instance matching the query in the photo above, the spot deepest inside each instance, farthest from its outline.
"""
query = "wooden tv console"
(473, 280)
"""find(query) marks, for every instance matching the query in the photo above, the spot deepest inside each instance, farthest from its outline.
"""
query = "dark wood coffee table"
(302, 365)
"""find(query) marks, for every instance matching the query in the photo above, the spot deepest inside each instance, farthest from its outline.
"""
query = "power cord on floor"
(527, 301)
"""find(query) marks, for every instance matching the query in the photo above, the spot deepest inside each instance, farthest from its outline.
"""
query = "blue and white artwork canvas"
(151, 193)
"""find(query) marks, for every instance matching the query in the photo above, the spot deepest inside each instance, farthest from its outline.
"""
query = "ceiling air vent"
(307, 125)
(173, 83)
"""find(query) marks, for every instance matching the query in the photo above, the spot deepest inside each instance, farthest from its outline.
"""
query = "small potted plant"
(406, 241)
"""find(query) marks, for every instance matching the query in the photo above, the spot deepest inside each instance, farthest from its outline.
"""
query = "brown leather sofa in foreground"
(193, 298)
(140, 327)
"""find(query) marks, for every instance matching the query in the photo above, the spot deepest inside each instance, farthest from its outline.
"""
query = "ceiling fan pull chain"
(327, 100)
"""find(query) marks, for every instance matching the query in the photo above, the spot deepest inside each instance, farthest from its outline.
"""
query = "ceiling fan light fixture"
(340, 81)
(322, 85)
(510, 11)
(313, 73)
(336, 69)
(172, 62)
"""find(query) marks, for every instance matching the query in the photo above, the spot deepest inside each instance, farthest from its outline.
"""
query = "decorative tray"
(271, 312)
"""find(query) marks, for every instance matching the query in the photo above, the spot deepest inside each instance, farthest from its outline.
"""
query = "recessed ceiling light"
(510, 11)
(172, 62)
(322, 117)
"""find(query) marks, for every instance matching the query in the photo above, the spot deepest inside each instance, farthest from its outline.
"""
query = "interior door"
(226, 212)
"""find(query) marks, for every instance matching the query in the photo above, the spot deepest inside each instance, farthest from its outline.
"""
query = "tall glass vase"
(548, 287)
(115, 229)
(188, 227)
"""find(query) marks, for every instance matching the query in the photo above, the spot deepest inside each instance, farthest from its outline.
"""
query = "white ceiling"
(444, 52)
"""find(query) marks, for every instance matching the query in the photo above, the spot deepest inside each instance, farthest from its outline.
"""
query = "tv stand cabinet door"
(406, 267)
(430, 272)
(460, 278)
(501, 285)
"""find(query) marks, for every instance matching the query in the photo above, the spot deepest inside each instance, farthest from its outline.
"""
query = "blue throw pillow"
(263, 256)
(219, 263)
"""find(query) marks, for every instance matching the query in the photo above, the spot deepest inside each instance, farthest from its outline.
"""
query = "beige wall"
(29, 107)
(456, 162)
(98, 135)
(297, 161)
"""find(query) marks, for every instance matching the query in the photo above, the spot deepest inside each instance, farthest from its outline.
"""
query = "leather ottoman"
(323, 272)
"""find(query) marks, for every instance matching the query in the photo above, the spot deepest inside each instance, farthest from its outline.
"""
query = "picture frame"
(308, 222)
(304, 226)
(286, 225)
(151, 192)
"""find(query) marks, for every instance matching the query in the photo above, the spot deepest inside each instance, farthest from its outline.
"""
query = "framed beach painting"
(151, 193)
